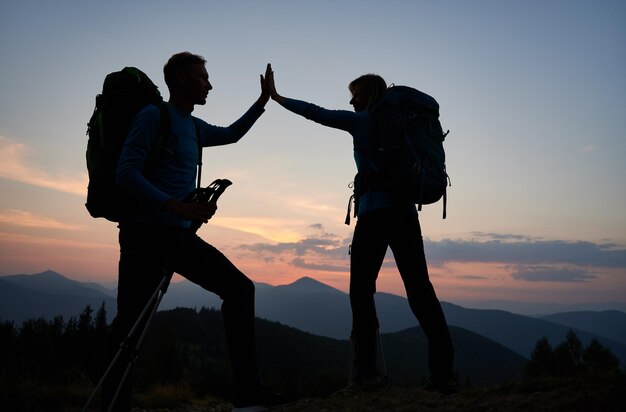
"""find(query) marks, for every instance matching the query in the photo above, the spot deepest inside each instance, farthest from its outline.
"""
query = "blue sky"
(534, 94)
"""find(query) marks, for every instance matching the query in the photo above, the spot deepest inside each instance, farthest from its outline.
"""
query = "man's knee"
(241, 289)
(247, 286)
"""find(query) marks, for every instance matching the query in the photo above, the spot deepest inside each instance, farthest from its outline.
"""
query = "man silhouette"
(157, 240)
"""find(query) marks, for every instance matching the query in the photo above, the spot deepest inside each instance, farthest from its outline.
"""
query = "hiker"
(157, 240)
(383, 221)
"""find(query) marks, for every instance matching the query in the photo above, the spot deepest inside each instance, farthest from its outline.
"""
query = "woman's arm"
(338, 119)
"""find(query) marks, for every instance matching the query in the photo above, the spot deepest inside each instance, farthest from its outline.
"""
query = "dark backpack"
(408, 160)
(124, 93)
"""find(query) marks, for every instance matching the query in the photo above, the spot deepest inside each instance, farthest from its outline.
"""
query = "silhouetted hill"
(305, 304)
(610, 323)
(308, 305)
(540, 309)
(520, 333)
(53, 282)
(46, 295)
(477, 359)
(297, 362)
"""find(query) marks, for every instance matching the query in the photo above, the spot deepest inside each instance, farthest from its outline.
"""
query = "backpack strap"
(164, 128)
(350, 200)
(197, 129)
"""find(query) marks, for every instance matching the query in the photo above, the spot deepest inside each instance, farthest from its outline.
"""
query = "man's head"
(366, 89)
(187, 79)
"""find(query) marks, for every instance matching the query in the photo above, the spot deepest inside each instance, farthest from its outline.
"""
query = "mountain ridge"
(306, 304)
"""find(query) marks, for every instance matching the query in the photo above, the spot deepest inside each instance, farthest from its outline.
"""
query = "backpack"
(124, 93)
(408, 160)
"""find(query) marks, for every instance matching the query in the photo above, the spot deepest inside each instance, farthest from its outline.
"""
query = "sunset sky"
(533, 92)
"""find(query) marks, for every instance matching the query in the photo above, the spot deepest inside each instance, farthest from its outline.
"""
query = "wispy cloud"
(529, 251)
(35, 243)
(16, 165)
(329, 248)
(322, 251)
(274, 229)
(588, 148)
(23, 218)
(520, 257)
(301, 263)
(552, 274)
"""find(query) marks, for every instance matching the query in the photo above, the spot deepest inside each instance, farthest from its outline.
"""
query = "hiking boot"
(260, 401)
(363, 385)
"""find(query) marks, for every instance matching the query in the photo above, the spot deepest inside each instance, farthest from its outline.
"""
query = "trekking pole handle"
(219, 186)
(210, 193)
(207, 195)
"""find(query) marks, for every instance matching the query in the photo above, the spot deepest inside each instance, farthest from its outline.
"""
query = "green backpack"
(408, 160)
(124, 93)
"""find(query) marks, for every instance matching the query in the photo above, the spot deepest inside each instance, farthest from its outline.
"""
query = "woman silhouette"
(383, 221)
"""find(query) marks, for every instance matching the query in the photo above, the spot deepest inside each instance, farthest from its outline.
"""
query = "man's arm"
(211, 135)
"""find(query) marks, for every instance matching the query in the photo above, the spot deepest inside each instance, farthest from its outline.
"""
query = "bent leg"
(206, 266)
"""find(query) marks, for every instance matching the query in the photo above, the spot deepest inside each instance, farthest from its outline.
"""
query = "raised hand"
(272, 86)
(265, 90)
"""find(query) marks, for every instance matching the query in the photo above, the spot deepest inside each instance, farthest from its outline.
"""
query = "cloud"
(505, 237)
(317, 226)
(552, 274)
(325, 252)
(588, 148)
(274, 229)
(301, 263)
(330, 248)
(26, 219)
(69, 246)
(15, 164)
(528, 259)
(473, 277)
(527, 252)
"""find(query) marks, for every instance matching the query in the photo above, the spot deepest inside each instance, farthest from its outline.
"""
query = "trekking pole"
(200, 195)
(158, 295)
(154, 300)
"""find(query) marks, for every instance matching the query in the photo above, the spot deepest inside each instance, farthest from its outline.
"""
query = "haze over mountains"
(314, 307)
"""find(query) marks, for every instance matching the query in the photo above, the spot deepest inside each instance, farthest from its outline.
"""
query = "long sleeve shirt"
(361, 126)
(173, 174)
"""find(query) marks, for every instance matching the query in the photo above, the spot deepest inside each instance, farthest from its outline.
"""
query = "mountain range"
(319, 309)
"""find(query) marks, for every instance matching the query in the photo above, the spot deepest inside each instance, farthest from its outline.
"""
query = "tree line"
(570, 358)
(58, 361)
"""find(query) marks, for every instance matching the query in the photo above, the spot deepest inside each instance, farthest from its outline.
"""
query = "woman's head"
(366, 89)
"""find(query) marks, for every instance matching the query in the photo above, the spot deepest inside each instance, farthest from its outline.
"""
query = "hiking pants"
(400, 230)
(149, 252)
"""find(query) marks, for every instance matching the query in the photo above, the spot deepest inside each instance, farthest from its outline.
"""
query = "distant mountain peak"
(308, 284)
(54, 282)
(50, 273)
(306, 280)
(47, 274)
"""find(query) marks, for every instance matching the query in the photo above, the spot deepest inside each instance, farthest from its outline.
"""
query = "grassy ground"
(580, 394)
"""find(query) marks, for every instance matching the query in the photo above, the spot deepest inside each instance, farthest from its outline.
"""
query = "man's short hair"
(180, 61)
